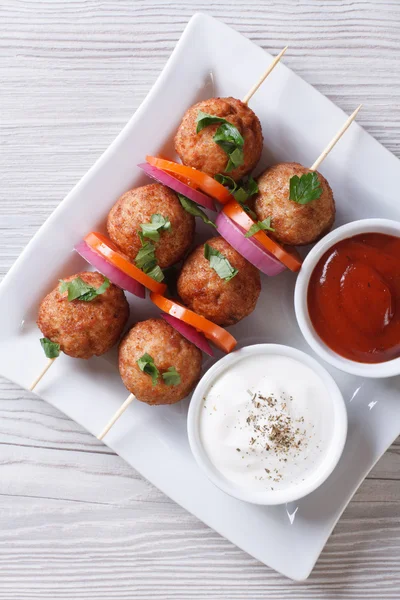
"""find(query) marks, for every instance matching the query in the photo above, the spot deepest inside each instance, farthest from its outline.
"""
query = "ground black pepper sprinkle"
(273, 430)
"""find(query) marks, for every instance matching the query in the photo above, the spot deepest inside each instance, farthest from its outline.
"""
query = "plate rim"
(197, 21)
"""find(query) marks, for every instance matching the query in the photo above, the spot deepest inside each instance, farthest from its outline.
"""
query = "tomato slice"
(287, 255)
(107, 249)
(216, 334)
(196, 179)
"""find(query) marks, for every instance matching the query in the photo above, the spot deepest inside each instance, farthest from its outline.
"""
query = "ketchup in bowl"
(354, 298)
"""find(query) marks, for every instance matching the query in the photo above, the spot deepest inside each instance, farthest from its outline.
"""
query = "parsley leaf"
(305, 189)
(171, 376)
(264, 225)
(241, 191)
(145, 255)
(227, 181)
(105, 285)
(155, 273)
(193, 209)
(146, 365)
(146, 260)
(79, 290)
(51, 349)
(227, 136)
(152, 230)
(230, 140)
(205, 120)
(249, 185)
(219, 263)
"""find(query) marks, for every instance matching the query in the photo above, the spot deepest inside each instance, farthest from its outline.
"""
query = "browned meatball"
(84, 329)
(220, 301)
(199, 149)
(167, 348)
(136, 207)
(295, 224)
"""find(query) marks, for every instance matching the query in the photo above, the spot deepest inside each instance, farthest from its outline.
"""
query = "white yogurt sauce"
(266, 422)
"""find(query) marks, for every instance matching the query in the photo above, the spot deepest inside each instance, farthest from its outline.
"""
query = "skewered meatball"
(199, 149)
(136, 207)
(167, 348)
(295, 224)
(220, 301)
(84, 329)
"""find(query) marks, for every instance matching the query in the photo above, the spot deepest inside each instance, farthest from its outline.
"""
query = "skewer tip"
(271, 67)
(337, 137)
(116, 416)
(359, 107)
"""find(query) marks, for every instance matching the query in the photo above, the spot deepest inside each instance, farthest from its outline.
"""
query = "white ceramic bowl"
(295, 491)
(384, 369)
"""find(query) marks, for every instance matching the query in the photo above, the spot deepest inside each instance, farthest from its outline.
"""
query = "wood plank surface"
(76, 522)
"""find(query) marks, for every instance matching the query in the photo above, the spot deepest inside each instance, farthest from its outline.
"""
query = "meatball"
(168, 348)
(84, 329)
(294, 224)
(220, 301)
(136, 207)
(199, 149)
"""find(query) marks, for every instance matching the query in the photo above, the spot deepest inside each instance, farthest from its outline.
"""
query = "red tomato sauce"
(354, 298)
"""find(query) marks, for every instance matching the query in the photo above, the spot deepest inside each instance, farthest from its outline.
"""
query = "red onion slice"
(108, 270)
(190, 333)
(247, 247)
(178, 186)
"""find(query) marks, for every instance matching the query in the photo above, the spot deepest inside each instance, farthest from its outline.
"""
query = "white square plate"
(211, 59)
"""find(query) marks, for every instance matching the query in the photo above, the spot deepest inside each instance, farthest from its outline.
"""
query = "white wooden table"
(75, 520)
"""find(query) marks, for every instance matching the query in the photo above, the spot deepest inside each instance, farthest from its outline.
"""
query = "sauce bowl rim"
(389, 368)
(297, 490)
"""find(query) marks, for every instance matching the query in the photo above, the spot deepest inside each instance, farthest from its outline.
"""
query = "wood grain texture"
(76, 522)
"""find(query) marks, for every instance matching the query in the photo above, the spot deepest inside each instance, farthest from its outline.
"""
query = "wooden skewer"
(335, 140)
(44, 371)
(116, 416)
(271, 67)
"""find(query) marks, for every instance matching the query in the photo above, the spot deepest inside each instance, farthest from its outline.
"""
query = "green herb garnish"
(51, 349)
(205, 120)
(155, 273)
(230, 140)
(246, 189)
(250, 185)
(146, 365)
(264, 225)
(305, 189)
(145, 255)
(241, 191)
(219, 263)
(192, 208)
(227, 136)
(171, 376)
(152, 230)
(146, 260)
(79, 290)
(227, 182)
